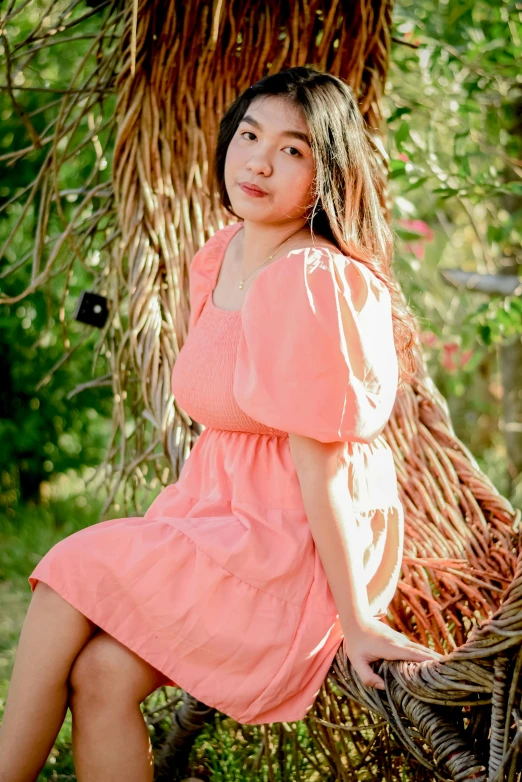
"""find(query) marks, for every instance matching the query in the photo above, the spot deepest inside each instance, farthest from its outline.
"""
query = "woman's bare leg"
(52, 635)
(110, 739)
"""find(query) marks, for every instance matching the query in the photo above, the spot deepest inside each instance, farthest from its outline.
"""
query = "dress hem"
(193, 690)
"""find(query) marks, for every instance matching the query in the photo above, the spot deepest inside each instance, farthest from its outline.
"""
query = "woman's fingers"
(394, 651)
(404, 642)
(367, 675)
(413, 655)
(420, 648)
(431, 652)
(371, 679)
(381, 642)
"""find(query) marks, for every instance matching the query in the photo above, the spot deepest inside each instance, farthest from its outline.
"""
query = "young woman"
(283, 536)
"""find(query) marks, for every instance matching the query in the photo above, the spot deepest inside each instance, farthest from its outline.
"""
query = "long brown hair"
(346, 209)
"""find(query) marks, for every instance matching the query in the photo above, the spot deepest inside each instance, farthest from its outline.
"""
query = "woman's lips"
(251, 192)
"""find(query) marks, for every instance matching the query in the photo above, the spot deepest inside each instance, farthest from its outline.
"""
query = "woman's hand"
(373, 640)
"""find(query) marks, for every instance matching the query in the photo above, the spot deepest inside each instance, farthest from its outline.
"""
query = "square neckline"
(221, 258)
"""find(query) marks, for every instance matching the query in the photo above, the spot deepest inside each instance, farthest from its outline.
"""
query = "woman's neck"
(259, 240)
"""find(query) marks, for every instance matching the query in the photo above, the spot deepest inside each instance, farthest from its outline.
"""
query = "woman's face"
(265, 152)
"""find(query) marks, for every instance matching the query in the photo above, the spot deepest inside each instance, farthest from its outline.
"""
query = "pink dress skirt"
(219, 586)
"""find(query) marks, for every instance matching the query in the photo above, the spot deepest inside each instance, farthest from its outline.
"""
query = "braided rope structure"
(143, 106)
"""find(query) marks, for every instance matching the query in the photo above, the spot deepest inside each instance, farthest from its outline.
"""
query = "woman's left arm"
(322, 470)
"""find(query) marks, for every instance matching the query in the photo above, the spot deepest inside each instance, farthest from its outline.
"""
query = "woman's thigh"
(105, 670)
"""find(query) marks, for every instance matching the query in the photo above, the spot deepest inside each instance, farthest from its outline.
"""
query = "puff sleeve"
(204, 268)
(316, 354)
(200, 281)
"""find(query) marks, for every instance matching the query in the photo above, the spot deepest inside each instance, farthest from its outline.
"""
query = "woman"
(283, 536)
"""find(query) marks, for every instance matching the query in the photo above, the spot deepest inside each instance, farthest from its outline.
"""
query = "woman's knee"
(105, 671)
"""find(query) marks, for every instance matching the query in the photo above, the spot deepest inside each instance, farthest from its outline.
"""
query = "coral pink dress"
(219, 586)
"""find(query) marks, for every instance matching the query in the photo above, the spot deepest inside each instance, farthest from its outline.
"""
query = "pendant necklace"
(241, 283)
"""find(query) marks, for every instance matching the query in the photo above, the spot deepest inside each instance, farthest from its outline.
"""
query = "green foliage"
(41, 431)
(35, 529)
(452, 110)
(44, 354)
(498, 319)
(453, 106)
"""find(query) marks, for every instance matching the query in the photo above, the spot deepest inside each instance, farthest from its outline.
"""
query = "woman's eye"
(294, 150)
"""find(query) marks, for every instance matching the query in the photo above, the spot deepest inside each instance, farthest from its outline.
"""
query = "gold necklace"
(268, 259)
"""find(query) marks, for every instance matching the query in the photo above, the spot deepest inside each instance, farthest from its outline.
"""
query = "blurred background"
(453, 114)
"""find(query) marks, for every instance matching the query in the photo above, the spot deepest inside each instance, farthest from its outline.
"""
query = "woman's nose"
(259, 164)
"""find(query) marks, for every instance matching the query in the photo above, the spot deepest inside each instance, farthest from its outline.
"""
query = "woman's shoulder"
(319, 266)
(204, 268)
(204, 260)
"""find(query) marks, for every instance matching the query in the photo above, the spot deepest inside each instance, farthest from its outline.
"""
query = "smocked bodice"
(203, 375)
